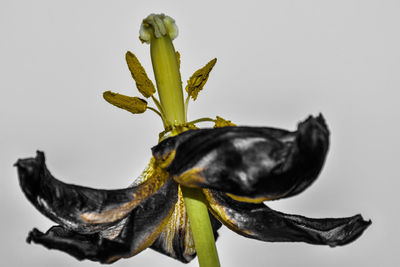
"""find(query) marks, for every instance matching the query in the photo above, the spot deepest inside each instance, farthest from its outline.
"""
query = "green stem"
(201, 227)
(168, 79)
(169, 86)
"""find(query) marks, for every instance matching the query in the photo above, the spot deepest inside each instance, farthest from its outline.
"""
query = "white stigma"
(157, 26)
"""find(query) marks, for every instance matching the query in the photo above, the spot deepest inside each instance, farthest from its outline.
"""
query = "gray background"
(278, 61)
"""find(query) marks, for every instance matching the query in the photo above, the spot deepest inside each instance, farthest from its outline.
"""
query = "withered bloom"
(237, 168)
(233, 169)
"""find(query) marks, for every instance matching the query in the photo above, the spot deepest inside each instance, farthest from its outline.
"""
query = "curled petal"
(136, 232)
(252, 164)
(260, 222)
(79, 208)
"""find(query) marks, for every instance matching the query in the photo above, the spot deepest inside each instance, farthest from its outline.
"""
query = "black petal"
(178, 242)
(250, 162)
(82, 209)
(176, 239)
(138, 231)
(260, 222)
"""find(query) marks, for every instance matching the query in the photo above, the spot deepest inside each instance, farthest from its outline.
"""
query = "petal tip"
(351, 231)
(313, 134)
(28, 166)
(30, 173)
(320, 118)
(314, 123)
(40, 157)
(30, 236)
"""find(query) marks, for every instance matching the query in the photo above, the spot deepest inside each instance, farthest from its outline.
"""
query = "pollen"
(134, 105)
(143, 83)
(220, 122)
(197, 81)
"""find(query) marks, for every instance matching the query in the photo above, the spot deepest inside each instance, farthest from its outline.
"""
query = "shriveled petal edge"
(260, 222)
(82, 209)
(140, 229)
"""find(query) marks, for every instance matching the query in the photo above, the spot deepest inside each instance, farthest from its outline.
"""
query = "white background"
(278, 62)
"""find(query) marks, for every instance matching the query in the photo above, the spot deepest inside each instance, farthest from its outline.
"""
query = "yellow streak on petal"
(157, 177)
(253, 200)
(149, 239)
(154, 235)
(178, 222)
(191, 178)
(147, 173)
(220, 213)
(165, 160)
(248, 199)
(143, 83)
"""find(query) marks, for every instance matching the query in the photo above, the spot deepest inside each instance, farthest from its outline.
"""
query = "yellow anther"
(220, 122)
(131, 104)
(143, 83)
(197, 81)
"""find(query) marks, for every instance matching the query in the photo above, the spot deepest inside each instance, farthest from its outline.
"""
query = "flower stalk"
(167, 75)
(159, 31)
(200, 225)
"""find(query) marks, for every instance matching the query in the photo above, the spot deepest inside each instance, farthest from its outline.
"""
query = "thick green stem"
(157, 30)
(168, 79)
(201, 227)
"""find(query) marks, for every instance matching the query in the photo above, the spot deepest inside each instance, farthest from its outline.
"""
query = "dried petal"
(143, 83)
(260, 222)
(255, 164)
(134, 105)
(176, 240)
(139, 231)
(197, 81)
(82, 209)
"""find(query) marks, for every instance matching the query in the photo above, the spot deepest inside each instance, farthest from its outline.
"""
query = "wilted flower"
(228, 169)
